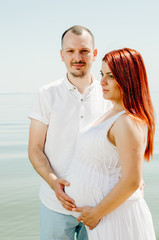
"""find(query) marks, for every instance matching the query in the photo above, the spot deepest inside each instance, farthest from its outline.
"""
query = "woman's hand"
(88, 216)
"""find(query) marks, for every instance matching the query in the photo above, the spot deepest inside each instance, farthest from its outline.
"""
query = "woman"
(107, 168)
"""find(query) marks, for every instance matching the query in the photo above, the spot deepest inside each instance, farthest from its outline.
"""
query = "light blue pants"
(57, 226)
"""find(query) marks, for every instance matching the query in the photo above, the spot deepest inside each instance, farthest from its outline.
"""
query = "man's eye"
(70, 51)
(85, 51)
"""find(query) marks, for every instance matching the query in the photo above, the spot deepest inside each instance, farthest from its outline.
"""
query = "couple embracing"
(88, 140)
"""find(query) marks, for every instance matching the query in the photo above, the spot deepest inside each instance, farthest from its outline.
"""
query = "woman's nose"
(103, 82)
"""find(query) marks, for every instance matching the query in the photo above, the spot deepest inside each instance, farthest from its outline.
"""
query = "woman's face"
(109, 85)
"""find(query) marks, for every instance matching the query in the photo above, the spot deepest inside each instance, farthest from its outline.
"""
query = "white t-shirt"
(66, 112)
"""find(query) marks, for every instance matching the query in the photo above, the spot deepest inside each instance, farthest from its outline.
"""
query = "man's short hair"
(77, 30)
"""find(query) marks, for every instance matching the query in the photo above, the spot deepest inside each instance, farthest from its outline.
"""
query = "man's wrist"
(52, 180)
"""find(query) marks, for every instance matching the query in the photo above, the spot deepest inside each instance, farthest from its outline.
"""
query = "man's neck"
(82, 83)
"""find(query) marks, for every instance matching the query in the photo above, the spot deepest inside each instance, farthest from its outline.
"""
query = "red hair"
(129, 71)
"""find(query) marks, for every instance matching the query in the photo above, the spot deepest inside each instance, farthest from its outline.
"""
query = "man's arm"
(40, 162)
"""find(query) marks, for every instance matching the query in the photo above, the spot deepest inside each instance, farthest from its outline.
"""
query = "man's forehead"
(71, 40)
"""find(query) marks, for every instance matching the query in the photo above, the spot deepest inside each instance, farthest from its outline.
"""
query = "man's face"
(78, 53)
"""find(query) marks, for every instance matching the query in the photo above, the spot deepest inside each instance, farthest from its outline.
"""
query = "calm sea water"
(19, 183)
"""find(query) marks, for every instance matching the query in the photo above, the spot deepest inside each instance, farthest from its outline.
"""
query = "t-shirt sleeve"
(40, 109)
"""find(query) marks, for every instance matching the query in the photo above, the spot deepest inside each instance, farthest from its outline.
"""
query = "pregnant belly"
(82, 193)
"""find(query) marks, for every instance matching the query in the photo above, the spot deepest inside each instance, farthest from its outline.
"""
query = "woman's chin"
(105, 96)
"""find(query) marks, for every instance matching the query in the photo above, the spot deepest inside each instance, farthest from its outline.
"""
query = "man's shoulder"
(97, 86)
(52, 85)
(97, 83)
(107, 105)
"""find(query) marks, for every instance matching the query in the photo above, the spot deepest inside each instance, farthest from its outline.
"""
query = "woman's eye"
(111, 76)
(101, 73)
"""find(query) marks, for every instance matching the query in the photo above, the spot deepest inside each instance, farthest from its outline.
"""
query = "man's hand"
(65, 200)
(88, 216)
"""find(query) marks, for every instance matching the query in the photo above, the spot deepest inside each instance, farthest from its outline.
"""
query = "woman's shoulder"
(127, 124)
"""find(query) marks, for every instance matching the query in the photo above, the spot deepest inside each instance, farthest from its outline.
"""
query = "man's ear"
(94, 54)
(61, 54)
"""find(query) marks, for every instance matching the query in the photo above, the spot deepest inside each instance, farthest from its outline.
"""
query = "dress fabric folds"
(94, 171)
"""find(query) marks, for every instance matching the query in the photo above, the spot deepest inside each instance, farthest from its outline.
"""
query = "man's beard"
(78, 75)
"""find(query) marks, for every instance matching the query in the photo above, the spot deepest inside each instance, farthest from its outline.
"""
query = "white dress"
(94, 171)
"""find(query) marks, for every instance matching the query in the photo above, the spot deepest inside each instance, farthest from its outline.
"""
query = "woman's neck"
(117, 107)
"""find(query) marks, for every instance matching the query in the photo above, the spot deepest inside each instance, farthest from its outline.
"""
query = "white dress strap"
(112, 119)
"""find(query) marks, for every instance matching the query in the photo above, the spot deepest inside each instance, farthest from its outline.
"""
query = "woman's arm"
(128, 136)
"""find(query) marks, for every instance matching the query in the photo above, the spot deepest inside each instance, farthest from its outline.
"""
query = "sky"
(30, 33)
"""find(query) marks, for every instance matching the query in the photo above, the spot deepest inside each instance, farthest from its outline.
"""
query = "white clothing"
(94, 171)
(66, 112)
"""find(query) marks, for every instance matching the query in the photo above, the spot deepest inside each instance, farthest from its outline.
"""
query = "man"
(60, 110)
